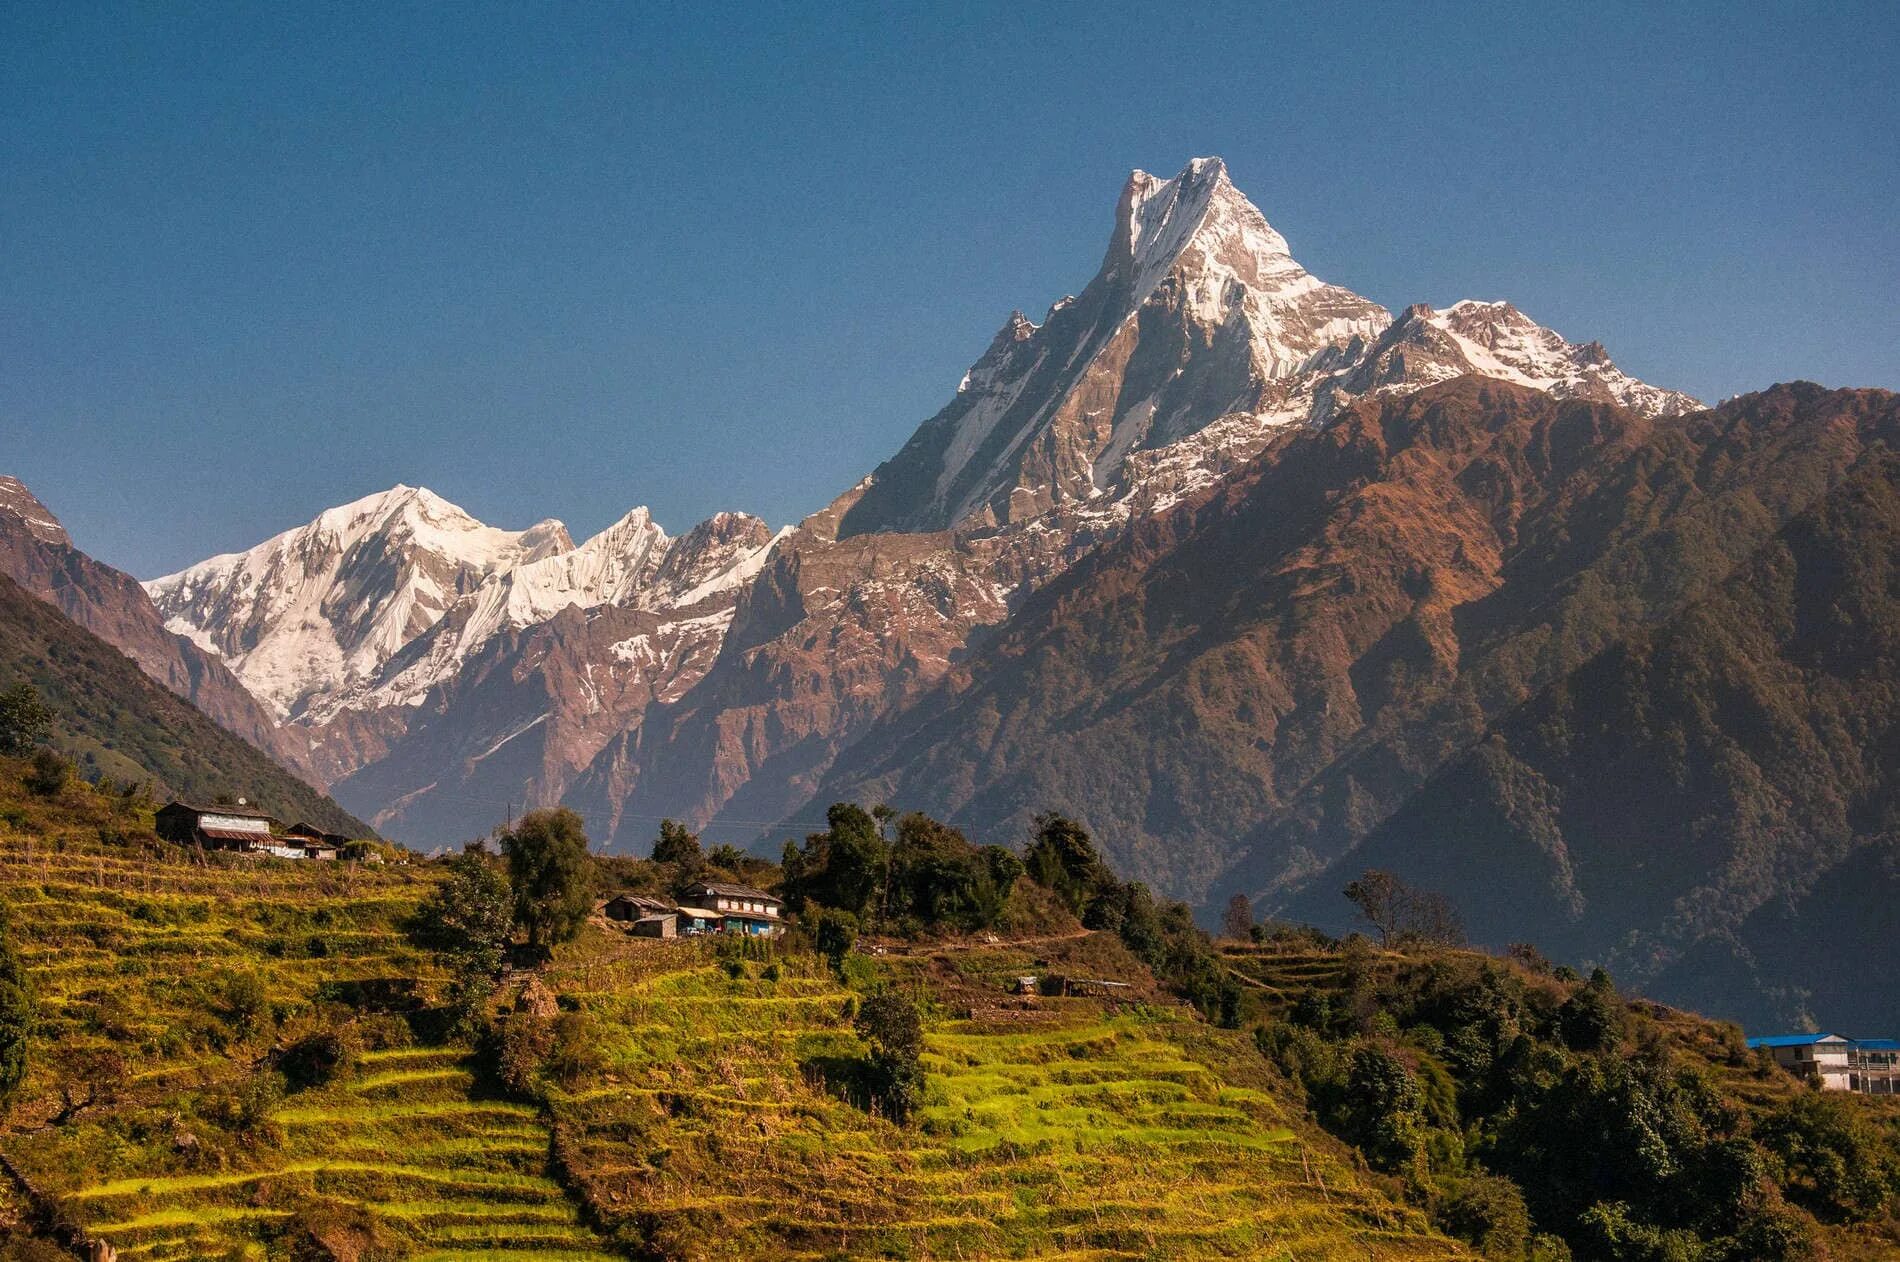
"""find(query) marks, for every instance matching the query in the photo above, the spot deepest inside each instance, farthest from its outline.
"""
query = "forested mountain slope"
(117, 723)
(1238, 693)
(37, 553)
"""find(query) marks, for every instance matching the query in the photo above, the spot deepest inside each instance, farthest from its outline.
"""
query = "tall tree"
(470, 916)
(1063, 858)
(1237, 921)
(676, 844)
(1377, 895)
(548, 870)
(891, 1023)
(24, 720)
(844, 867)
(16, 1015)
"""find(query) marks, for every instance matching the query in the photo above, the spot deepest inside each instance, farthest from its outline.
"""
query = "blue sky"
(558, 260)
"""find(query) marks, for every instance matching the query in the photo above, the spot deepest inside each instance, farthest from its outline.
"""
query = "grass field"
(709, 1128)
(1068, 1130)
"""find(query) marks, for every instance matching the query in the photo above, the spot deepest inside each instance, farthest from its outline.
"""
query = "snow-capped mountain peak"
(1228, 261)
(1197, 310)
(322, 606)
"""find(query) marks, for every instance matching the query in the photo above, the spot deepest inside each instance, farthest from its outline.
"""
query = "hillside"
(1754, 742)
(38, 554)
(1238, 693)
(239, 1058)
(118, 724)
(691, 1119)
(1516, 1097)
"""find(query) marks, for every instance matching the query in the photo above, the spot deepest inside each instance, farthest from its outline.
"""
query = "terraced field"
(1075, 1132)
(162, 984)
(452, 1175)
(712, 1122)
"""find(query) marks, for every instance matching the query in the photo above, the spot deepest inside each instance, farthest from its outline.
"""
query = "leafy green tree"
(833, 933)
(548, 869)
(16, 1015)
(1384, 1108)
(939, 878)
(1063, 858)
(1836, 1162)
(844, 867)
(729, 857)
(891, 1023)
(677, 844)
(470, 915)
(1592, 1019)
(25, 720)
(1487, 1211)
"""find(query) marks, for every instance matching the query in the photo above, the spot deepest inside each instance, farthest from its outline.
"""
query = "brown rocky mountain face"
(1704, 803)
(1198, 342)
(1238, 693)
(36, 553)
(445, 669)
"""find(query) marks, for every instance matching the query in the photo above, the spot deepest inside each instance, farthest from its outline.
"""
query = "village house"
(706, 907)
(238, 827)
(242, 828)
(644, 917)
(1837, 1063)
(741, 908)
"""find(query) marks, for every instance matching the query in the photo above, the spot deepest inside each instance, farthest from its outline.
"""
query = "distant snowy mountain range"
(443, 668)
(1256, 579)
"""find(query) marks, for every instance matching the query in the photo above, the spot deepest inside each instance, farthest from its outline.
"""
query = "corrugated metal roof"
(735, 891)
(233, 834)
(232, 809)
(1793, 1040)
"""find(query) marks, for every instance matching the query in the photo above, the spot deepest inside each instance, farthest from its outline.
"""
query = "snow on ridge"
(1500, 341)
(624, 565)
(17, 501)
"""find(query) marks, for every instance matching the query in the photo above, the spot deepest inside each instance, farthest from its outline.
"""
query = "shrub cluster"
(1514, 1105)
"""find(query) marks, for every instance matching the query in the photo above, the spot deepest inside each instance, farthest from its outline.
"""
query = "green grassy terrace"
(713, 1125)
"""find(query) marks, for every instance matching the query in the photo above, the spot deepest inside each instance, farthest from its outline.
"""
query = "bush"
(1592, 1020)
(47, 774)
(318, 1059)
(247, 1008)
(1487, 1211)
(1383, 1108)
(338, 1231)
(249, 1111)
(893, 1073)
(517, 1048)
(1833, 1159)
(574, 1053)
